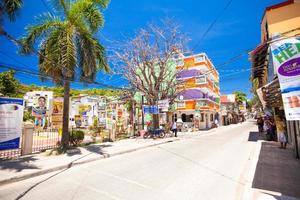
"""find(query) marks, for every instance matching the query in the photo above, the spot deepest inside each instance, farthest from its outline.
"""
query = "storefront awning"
(259, 59)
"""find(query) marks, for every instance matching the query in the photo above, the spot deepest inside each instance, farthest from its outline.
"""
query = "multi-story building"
(229, 110)
(199, 99)
(279, 22)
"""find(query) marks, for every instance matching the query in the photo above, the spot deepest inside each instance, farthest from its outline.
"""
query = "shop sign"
(11, 118)
(286, 60)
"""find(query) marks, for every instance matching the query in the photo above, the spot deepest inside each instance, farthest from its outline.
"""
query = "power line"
(213, 23)
(17, 69)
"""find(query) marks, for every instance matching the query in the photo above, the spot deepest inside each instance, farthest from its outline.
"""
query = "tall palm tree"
(68, 46)
(8, 9)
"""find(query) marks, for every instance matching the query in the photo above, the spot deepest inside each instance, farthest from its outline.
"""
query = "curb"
(75, 162)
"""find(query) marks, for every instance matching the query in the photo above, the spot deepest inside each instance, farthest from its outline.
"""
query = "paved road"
(211, 166)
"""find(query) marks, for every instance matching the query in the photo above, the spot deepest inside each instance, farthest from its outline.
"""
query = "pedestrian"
(216, 123)
(260, 124)
(174, 128)
(282, 135)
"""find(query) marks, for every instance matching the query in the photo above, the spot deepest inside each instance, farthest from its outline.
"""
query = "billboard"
(11, 118)
(286, 61)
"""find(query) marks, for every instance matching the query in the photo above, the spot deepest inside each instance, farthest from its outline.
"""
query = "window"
(199, 58)
(211, 117)
(179, 62)
(181, 104)
(201, 79)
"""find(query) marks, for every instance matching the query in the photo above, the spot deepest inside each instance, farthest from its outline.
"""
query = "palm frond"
(86, 11)
(11, 8)
(36, 32)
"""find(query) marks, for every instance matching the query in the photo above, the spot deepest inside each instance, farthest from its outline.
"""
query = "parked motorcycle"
(154, 133)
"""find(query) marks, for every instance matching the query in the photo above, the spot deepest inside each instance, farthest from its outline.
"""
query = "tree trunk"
(155, 120)
(65, 134)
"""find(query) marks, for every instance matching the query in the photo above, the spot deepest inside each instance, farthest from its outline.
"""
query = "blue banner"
(11, 118)
(150, 109)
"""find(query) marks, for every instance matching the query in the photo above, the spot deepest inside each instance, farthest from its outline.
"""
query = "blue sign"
(11, 118)
(150, 109)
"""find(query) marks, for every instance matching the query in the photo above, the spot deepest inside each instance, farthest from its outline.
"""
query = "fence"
(41, 140)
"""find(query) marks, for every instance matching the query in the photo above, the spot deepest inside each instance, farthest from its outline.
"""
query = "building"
(279, 22)
(229, 110)
(198, 104)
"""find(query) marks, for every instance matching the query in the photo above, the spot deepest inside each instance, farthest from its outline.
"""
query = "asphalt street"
(208, 166)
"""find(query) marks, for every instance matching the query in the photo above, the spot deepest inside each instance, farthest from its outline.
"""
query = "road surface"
(208, 166)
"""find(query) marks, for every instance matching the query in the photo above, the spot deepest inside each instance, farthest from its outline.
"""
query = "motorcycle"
(154, 133)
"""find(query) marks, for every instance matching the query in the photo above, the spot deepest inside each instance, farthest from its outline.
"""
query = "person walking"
(260, 124)
(174, 128)
(282, 135)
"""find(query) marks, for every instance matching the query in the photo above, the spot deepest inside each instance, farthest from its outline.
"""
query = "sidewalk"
(37, 164)
(275, 172)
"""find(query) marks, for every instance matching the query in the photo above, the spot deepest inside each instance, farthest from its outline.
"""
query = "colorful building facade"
(198, 102)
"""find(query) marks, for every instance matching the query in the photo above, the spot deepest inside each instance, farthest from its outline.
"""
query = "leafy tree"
(8, 84)
(240, 97)
(147, 62)
(68, 46)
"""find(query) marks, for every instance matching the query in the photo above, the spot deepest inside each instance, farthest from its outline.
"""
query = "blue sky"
(237, 30)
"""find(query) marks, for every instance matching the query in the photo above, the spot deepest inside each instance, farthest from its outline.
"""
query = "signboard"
(11, 118)
(57, 113)
(150, 109)
(163, 105)
(286, 61)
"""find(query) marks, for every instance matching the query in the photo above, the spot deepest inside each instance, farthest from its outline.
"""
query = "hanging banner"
(286, 60)
(11, 118)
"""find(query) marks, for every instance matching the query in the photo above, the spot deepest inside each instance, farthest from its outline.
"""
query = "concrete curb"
(76, 162)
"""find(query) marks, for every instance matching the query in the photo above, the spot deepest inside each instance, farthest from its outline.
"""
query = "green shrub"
(76, 137)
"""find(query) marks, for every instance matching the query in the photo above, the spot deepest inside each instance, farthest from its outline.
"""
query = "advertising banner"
(286, 60)
(11, 118)
(57, 113)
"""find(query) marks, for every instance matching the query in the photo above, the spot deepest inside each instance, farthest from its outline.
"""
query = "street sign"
(150, 109)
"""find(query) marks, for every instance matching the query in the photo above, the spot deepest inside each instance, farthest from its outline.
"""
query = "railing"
(42, 140)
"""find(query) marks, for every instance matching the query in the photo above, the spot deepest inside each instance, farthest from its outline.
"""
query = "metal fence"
(42, 140)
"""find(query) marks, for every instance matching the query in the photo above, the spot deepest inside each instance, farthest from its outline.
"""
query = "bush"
(76, 137)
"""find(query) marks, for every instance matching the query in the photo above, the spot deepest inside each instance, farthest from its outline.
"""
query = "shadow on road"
(277, 170)
(254, 136)
(19, 164)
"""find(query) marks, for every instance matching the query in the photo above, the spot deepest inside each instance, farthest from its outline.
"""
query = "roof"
(230, 98)
(279, 5)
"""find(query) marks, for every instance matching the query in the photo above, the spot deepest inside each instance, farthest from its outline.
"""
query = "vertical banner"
(57, 112)
(11, 118)
(286, 60)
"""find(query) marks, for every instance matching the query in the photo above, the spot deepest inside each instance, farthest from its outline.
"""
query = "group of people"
(273, 128)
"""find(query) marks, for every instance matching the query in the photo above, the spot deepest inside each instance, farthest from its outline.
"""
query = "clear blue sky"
(237, 30)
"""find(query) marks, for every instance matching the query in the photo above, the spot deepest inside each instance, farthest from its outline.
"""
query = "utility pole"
(143, 121)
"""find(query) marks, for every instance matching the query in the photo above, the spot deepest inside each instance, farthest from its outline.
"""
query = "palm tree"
(240, 97)
(9, 9)
(68, 46)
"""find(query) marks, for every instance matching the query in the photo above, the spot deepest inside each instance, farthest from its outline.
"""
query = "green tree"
(69, 46)
(9, 9)
(240, 97)
(8, 84)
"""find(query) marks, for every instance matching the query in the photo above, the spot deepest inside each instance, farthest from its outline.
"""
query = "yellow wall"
(281, 20)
